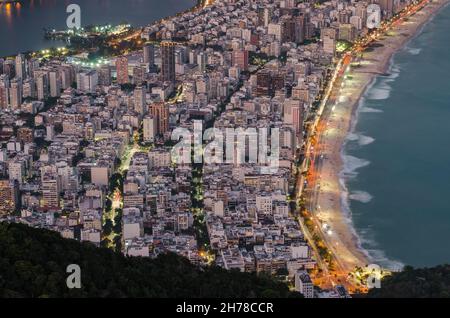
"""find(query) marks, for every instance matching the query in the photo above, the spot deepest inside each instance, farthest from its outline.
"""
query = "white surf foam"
(360, 138)
(345, 205)
(352, 137)
(379, 257)
(380, 91)
(413, 51)
(380, 87)
(365, 140)
(361, 196)
(351, 164)
(394, 72)
(365, 236)
(366, 109)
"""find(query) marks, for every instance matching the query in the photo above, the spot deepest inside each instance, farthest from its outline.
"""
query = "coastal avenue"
(310, 169)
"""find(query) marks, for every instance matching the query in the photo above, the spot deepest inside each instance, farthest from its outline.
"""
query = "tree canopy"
(33, 263)
(415, 283)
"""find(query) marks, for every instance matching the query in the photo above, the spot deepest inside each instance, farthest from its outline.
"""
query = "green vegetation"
(33, 263)
(283, 57)
(116, 182)
(415, 283)
(324, 252)
(201, 232)
(343, 45)
(259, 59)
(49, 103)
(127, 87)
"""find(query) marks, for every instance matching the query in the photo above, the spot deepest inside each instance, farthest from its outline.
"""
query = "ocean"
(399, 154)
(21, 25)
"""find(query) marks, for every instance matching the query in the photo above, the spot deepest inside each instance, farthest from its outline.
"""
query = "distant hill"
(33, 263)
(415, 283)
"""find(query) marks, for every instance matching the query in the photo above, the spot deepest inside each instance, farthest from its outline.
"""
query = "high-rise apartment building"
(50, 192)
(240, 59)
(149, 54)
(160, 112)
(54, 83)
(9, 197)
(122, 70)
(42, 85)
(15, 93)
(87, 81)
(20, 66)
(140, 100)
(149, 126)
(4, 91)
(168, 61)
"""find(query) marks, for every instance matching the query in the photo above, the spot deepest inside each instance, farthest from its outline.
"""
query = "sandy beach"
(330, 199)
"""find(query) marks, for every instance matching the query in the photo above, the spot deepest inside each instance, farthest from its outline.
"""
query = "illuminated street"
(330, 127)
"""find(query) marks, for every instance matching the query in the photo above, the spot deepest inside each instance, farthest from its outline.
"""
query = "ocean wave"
(361, 139)
(361, 196)
(365, 140)
(413, 51)
(379, 257)
(380, 91)
(366, 109)
(394, 72)
(352, 137)
(351, 164)
(365, 236)
(376, 255)
(380, 88)
(365, 239)
(345, 205)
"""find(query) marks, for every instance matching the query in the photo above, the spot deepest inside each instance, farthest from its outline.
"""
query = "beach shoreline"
(333, 196)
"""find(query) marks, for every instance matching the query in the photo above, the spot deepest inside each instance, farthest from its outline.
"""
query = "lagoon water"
(21, 25)
(400, 147)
